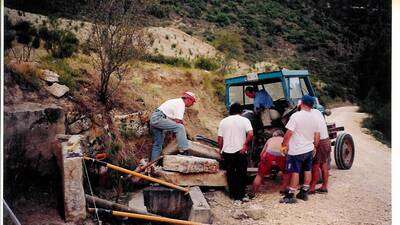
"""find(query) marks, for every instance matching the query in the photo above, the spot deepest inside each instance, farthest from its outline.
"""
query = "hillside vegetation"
(345, 45)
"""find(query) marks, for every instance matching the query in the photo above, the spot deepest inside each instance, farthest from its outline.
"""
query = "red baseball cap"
(190, 95)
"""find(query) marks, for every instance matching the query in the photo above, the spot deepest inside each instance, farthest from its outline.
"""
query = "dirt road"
(361, 195)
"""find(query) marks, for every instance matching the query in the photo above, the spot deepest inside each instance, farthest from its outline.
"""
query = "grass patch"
(26, 75)
(68, 75)
(179, 62)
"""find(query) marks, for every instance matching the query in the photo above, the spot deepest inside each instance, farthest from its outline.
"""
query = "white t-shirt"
(323, 129)
(233, 130)
(303, 124)
(173, 108)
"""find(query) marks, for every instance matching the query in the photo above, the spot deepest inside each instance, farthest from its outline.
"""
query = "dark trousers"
(236, 173)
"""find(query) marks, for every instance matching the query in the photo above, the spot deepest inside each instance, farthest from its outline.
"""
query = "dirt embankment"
(361, 195)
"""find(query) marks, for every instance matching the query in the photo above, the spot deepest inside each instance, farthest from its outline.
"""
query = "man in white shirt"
(234, 136)
(169, 117)
(301, 137)
(321, 157)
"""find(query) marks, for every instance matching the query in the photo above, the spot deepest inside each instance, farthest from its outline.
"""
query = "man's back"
(233, 130)
(304, 125)
(263, 100)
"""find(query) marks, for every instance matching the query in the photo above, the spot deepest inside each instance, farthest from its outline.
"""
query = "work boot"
(303, 195)
(288, 199)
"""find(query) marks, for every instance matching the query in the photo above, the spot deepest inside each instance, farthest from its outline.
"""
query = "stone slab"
(50, 76)
(200, 211)
(72, 177)
(195, 149)
(202, 150)
(189, 164)
(197, 179)
(137, 201)
(58, 90)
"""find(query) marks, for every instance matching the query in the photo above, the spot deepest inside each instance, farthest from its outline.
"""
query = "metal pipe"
(12, 215)
(146, 217)
(136, 174)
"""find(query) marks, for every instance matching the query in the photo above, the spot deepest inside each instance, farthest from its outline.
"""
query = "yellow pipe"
(154, 218)
(146, 217)
(123, 170)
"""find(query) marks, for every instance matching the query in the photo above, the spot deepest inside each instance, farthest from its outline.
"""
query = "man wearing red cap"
(169, 117)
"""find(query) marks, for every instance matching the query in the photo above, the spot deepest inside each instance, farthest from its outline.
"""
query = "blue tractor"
(285, 87)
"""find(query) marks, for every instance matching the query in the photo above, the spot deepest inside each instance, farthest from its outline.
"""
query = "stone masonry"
(72, 175)
(189, 164)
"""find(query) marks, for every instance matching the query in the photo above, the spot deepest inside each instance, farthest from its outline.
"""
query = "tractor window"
(295, 88)
(275, 90)
(236, 94)
(303, 86)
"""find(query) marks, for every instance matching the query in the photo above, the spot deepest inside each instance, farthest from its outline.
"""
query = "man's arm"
(178, 121)
(220, 142)
(317, 138)
(287, 137)
(249, 137)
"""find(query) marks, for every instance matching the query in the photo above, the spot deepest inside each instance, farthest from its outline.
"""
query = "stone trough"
(173, 203)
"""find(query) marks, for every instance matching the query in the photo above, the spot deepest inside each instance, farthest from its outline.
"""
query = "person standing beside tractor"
(300, 139)
(262, 103)
(234, 136)
(321, 157)
(169, 117)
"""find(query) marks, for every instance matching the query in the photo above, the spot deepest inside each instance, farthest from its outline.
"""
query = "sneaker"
(237, 202)
(284, 192)
(303, 195)
(245, 199)
(288, 199)
(251, 195)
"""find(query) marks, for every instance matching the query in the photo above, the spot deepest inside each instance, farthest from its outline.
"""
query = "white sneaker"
(237, 202)
(245, 199)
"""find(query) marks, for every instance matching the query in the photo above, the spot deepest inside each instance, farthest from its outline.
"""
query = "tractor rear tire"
(344, 151)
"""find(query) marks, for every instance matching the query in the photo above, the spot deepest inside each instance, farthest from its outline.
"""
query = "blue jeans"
(160, 123)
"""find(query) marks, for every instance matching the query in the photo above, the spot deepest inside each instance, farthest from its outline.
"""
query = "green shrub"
(206, 63)
(180, 62)
(9, 33)
(159, 11)
(60, 43)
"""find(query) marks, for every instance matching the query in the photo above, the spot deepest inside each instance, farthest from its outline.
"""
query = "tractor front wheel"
(344, 151)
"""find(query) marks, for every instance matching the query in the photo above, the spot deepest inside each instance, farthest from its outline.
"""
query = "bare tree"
(117, 37)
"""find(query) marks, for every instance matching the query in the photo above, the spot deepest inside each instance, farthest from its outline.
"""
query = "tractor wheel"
(344, 151)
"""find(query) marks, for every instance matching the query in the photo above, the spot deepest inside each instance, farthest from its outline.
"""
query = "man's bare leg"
(307, 178)
(257, 183)
(294, 181)
(325, 176)
(315, 177)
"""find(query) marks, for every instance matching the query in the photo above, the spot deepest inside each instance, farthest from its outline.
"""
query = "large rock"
(195, 149)
(58, 90)
(71, 170)
(80, 125)
(200, 211)
(29, 132)
(49, 76)
(255, 212)
(131, 125)
(197, 179)
(189, 164)
(202, 150)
